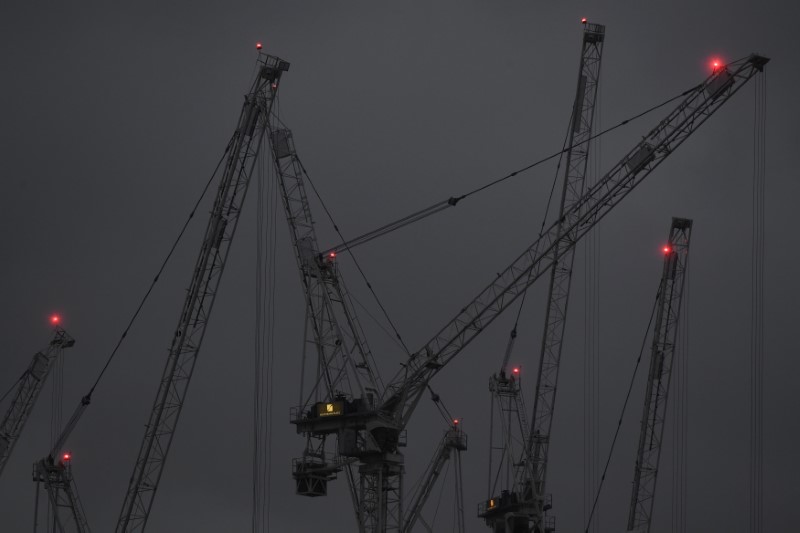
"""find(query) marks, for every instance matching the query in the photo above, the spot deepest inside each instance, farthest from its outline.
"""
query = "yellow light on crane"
(330, 408)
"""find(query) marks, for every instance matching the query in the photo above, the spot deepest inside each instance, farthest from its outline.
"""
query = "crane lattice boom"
(242, 151)
(404, 391)
(670, 294)
(30, 385)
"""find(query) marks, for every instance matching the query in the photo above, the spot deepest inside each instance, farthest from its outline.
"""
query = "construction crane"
(668, 309)
(454, 440)
(530, 472)
(345, 385)
(65, 504)
(404, 391)
(30, 385)
(508, 428)
(242, 153)
(369, 429)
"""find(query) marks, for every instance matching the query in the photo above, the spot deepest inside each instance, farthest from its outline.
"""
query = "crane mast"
(670, 293)
(242, 153)
(527, 498)
(30, 385)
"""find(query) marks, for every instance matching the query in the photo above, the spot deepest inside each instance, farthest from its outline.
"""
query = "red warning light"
(259, 46)
(516, 370)
(55, 320)
(666, 250)
(332, 255)
(66, 457)
(716, 64)
(455, 421)
(583, 20)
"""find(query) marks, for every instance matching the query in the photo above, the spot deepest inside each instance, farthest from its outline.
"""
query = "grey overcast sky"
(114, 114)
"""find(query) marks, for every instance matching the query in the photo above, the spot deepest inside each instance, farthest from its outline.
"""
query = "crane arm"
(535, 468)
(30, 385)
(68, 512)
(347, 363)
(676, 257)
(243, 151)
(405, 390)
(453, 439)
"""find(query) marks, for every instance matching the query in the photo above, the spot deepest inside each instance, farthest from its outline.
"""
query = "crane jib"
(600, 199)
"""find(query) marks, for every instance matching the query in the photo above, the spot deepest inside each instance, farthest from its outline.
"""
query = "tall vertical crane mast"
(535, 470)
(345, 384)
(670, 294)
(404, 391)
(242, 150)
(30, 385)
(529, 472)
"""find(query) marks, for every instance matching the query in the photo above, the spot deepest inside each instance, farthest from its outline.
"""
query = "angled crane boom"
(370, 432)
(453, 440)
(530, 472)
(670, 294)
(30, 385)
(243, 150)
(405, 390)
(346, 384)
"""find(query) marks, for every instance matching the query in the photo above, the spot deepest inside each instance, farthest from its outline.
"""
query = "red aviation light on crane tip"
(455, 421)
(515, 370)
(55, 319)
(584, 20)
(716, 64)
(666, 249)
(259, 46)
(332, 255)
(66, 457)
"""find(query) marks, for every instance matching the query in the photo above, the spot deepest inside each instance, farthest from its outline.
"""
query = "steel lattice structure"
(530, 462)
(533, 472)
(369, 428)
(242, 152)
(68, 516)
(30, 385)
(670, 294)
